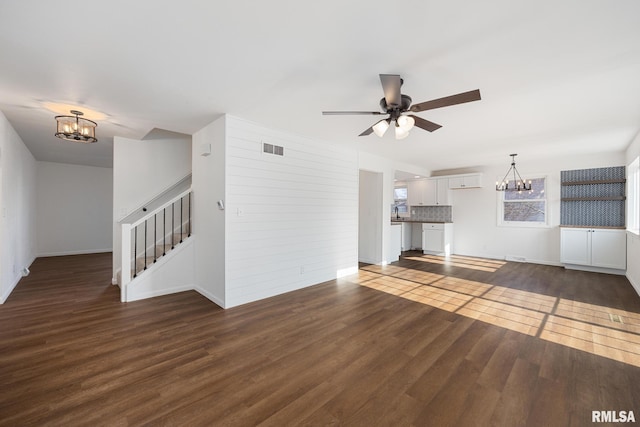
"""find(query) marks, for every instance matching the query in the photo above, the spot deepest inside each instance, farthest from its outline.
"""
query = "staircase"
(148, 239)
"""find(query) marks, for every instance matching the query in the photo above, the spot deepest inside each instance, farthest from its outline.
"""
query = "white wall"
(143, 169)
(476, 232)
(289, 222)
(371, 217)
(387, 168)
(208, 183)
(74, 209)
(17, 208)
(292, 220)
(633, 241)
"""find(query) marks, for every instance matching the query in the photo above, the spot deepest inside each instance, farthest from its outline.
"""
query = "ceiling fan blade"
(391, 86)
(345, 113)
(367, 132)
(425, 124)
(461, 98)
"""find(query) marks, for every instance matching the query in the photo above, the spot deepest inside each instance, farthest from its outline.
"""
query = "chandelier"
(75, 128)
(518, 184)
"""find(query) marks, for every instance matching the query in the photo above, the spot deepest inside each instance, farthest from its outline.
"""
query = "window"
(524, 208)
(400, 199)
(633, 196)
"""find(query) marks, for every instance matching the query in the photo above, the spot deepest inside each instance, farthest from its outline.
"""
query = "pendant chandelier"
(75, 128)
(518, 184)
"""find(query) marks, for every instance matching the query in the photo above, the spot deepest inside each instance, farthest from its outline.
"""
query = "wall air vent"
(272, 149)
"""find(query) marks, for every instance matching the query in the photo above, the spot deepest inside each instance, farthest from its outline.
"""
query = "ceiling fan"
(396, 104)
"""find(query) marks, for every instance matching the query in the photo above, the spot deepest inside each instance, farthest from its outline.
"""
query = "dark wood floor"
(336, 353)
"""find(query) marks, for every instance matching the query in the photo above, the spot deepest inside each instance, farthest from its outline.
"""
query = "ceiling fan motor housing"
(395, 110)
(405, 103)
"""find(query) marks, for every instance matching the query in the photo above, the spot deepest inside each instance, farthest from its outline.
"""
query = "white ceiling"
(556, 76)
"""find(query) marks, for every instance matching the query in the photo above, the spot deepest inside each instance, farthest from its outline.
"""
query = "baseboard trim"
(15, 282)
(159, 293)
(635, 285)
(82, 252)
(208, 295)
(595, 269)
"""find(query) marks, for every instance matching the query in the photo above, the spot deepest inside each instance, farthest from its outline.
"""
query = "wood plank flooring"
(425, 341)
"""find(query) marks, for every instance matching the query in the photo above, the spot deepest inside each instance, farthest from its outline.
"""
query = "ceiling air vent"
(272, 149)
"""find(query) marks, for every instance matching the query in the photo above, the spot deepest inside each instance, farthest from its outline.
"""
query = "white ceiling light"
(381, 127)
(406, 122)
(75, 128)
(401, 133)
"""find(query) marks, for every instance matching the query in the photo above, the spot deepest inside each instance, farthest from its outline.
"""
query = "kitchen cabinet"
(415, 192)
(428, 192)
(443, 196)
(437, 238)
(465, 181)
(594, 247)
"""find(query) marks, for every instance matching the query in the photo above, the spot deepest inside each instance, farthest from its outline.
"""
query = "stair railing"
(141, 246)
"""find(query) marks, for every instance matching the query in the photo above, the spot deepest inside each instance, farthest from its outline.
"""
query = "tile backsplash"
(593, 197)
(431, 213)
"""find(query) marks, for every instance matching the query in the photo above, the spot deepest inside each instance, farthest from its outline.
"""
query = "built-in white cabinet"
(465, 181)
(594, 247)
(443, 195)
(437, 238)
(415, 192)
(428, 192)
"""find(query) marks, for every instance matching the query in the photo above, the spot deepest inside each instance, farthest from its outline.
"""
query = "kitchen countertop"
(419, 221)
(604, 227)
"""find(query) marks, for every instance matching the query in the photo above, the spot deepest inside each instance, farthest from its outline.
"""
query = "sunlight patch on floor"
(488, 265)
(603, 331)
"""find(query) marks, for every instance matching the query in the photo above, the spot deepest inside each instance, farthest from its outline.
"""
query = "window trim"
(396, 202)
(524, 224)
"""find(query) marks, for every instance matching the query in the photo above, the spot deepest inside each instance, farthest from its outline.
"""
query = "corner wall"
(370, 217)
(475, 211)
(75, 206)
(292, 220)
(633, 240)
(143, 169)
(208, 183)
(17, 208)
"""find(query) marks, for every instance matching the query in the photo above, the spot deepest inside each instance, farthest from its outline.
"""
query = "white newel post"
(125, 269)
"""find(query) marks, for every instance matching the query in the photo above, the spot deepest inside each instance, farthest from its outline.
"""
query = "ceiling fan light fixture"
(381, 127)
(406, 122)
(75, 128)
(401, 133)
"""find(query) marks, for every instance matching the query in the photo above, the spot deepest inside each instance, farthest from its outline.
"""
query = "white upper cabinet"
(443, 194)
(428, 192)
(465, 181)
(430, 196)
(415, 192)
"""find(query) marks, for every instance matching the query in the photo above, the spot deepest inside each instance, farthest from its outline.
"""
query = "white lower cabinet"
(437, 238)
(594, 247)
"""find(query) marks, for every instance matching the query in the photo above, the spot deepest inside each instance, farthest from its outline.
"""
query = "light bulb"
(401, 133)
(380, 128)
(406, 122)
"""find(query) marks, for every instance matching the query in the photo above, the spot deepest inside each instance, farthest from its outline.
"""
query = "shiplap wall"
(292, 220)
